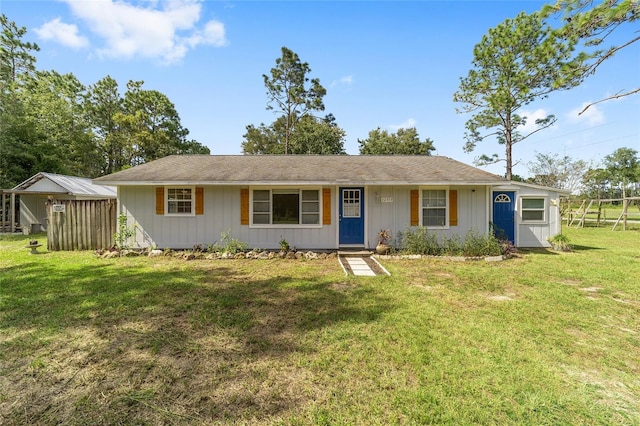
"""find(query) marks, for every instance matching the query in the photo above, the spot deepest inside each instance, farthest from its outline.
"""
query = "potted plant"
(383, 246)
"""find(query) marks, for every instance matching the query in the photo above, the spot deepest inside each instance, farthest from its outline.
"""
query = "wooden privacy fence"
(80, 224)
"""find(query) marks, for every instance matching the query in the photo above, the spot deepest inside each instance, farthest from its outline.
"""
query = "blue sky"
(384, 64)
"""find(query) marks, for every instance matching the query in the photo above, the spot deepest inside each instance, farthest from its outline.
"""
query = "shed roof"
(303, 169)
(71, 185)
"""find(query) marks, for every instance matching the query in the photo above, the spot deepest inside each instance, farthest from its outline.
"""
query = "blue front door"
(504, 215)
(351, 216)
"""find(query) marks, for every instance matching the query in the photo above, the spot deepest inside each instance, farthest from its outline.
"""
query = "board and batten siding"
(536, 234)
(390, 207)
(222, 212)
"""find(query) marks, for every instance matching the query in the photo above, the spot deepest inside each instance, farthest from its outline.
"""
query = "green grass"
(544, 338)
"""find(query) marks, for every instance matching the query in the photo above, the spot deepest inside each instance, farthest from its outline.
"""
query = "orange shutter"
(326, 206)
(160, 200)
(199, 200)
(415, 207)
(453, 207)
(244, 206)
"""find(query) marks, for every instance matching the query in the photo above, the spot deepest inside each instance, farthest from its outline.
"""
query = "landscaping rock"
(494, 258)
(290, 255)
(155, 253)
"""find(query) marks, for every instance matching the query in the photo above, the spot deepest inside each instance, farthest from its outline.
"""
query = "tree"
(558, 172)
(596, 183)
(55, 105)
(310, 136)
(403, 142)
(18, 138)
(291, 93)
(594, 23)
(264, 139)
(517, 62)
(16, 56)
(151, 126)
(623, 166)
(317, 136)
(102, 104)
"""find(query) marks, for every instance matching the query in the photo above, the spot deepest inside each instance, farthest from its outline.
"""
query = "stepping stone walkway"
(359, 266)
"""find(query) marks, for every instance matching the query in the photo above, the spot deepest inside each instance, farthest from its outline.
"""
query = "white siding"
(536, 234)
(386, 207)
(396, 215)
(221, 214)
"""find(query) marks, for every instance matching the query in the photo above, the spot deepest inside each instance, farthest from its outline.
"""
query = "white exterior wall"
(386, 207)
(396, 215)
(221, 214)
(536, 234)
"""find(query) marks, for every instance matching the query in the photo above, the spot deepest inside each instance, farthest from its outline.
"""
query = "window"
(180, 201)
(533, 209)
(434, 207)
(286, 207)
(351, 203)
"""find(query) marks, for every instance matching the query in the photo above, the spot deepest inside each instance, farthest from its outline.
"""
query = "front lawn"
(543, 338)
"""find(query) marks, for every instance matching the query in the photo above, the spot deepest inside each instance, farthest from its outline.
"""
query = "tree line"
(52, 122)
(297, 99)
(616, 176)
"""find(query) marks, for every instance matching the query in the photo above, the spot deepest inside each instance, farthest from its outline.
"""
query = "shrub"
(560, 242)
(124, 234)
(284, 244)
(476, 244)
(420, 241)
(452, 246)
(228, 244)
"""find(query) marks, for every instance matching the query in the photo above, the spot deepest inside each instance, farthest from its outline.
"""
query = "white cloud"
(65, 34)
(407, 124)
(156, 30)
(346, 80)
(592, 116)
(532, 116)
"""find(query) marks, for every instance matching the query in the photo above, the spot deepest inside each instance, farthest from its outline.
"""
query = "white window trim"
(291, 225)
(193, 201)
(543, 209)
(446, 212)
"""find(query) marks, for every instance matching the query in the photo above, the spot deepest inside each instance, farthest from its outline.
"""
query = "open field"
(543, 338)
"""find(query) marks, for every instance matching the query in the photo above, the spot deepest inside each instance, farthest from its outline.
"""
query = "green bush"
(228, 244)
(452, 246)
(124, 234)
(420, 241)
(476, 244)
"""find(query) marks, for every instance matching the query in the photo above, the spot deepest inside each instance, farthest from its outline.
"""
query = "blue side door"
(504, 215)
(351, 218)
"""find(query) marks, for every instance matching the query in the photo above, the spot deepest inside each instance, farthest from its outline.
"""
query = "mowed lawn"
(543, 338)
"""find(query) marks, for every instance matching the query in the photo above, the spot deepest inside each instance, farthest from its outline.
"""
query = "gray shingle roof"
(308, 169)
